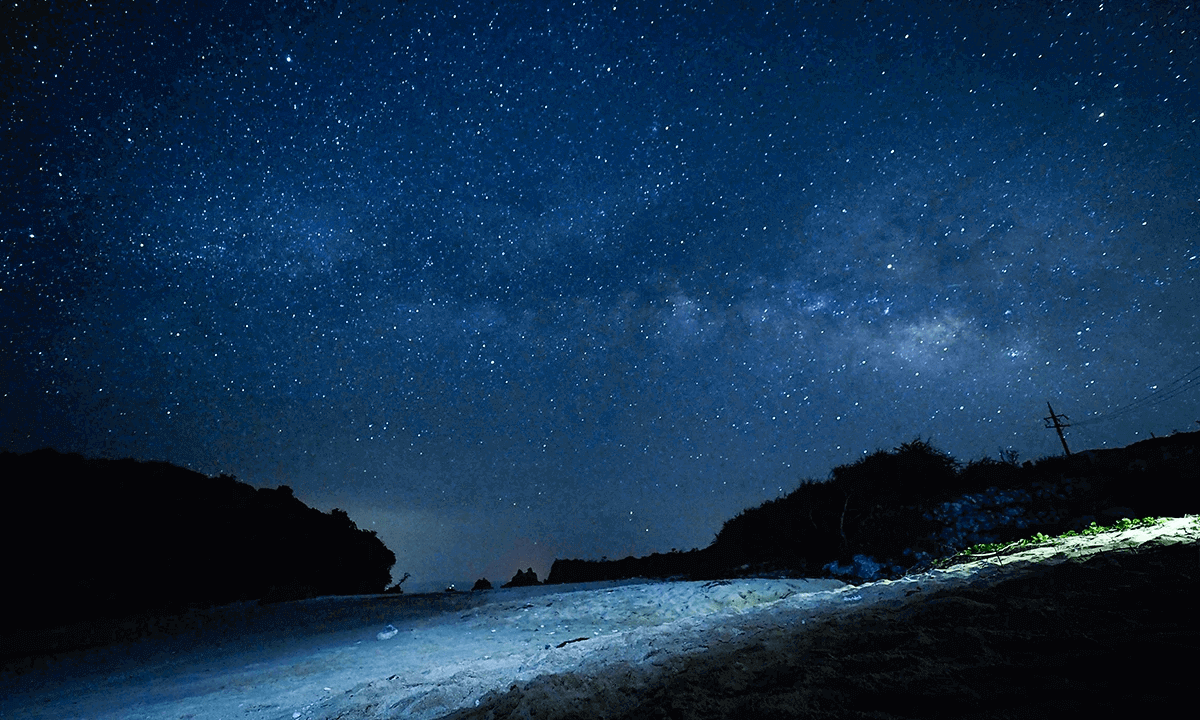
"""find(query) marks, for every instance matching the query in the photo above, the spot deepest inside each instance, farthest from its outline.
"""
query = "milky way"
(514, 281)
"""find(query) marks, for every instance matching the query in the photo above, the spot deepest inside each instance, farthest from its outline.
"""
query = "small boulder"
(388, 633)
(481, 584)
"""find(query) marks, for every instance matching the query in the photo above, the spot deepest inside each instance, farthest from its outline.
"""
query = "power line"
(1188, 381)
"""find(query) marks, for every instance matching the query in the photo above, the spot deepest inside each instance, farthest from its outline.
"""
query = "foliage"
(898, 510)
(901, 508)
(1039, 539)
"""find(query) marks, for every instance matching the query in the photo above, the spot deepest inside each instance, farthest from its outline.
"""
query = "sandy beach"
(976, 639)
(1101, 625)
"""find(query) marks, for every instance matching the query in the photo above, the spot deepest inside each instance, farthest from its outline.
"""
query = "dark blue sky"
(516, 281)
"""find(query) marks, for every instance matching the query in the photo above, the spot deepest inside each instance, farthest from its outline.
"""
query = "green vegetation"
(994, 549)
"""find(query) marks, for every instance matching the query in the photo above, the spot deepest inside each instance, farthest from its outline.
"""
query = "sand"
(994, 637)
(1104, 624)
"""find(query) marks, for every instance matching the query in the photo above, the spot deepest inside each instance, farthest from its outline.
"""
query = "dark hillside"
(101, 539)
(894, 511)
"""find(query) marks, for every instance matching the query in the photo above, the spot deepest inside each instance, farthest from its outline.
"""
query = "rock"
(481, 584)
(526, 578)
(388, 633)
(863, 569)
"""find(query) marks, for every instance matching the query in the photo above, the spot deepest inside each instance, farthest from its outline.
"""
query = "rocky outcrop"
(523, 578)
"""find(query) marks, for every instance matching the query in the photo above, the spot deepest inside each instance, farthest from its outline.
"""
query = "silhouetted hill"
(94, 539)
(894, 511)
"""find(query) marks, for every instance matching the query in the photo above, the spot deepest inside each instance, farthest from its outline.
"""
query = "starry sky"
(513, 281)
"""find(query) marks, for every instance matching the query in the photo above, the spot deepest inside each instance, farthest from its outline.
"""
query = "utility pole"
(1058, 426)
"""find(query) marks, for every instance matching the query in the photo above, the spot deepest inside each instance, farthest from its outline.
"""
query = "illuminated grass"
(984, 550)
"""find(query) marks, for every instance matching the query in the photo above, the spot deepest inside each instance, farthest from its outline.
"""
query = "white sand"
(450, 652)
(438, 660)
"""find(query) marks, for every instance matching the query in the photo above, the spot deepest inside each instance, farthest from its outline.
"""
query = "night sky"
(515, 281)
